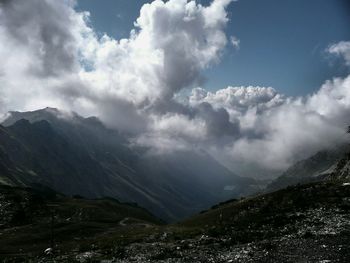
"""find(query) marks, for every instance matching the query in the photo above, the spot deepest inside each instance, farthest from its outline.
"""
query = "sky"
(294, 33)
(259, 85)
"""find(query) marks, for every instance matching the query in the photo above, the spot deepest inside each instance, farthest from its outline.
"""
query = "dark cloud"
(45, 27)
(218, 121)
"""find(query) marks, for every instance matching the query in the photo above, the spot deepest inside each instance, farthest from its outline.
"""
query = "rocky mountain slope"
(76, 155)
(315, 168)
(341, 170)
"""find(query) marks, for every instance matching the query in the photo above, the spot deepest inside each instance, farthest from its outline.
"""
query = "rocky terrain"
(315, 168)
(303, 223)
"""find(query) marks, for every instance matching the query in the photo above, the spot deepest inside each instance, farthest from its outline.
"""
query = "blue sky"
(282, 43)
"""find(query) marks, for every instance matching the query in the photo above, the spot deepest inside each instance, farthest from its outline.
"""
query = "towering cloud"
(134, 84)
(58, 59)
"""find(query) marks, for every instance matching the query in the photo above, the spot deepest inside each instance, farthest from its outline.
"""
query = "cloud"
(171, 44)
(217, 121)
(238, 100)
(39, 53)
(59, 60)
(136, 84)
(276, 131)
(173, 132)
(341, 49)
(235, 42)
(44, 35)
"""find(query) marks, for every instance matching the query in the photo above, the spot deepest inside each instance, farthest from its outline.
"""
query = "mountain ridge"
(315, 168)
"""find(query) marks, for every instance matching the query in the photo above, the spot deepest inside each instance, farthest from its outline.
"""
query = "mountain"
(75, 155)
(314, 168)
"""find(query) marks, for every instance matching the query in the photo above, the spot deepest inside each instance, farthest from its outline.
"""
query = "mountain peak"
(50, 115)
(47, 110)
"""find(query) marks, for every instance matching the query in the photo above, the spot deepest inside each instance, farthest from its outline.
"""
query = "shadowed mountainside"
(76, 155)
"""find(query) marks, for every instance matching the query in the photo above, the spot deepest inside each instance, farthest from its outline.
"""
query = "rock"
(48, 251)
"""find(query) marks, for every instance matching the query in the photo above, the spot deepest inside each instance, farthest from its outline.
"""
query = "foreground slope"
(304, 223)
(76, 155)
(30, 220)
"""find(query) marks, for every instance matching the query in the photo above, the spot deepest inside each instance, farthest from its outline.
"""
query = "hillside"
(30, 220)
(308, 223)
(301, 223)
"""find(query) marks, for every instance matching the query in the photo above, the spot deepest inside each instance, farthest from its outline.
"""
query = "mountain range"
(74, 155)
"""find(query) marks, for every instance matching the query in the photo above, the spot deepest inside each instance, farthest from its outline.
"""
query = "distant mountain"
(76, 155)
(316, 168)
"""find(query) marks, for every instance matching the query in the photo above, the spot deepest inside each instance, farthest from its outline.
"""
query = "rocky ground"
(305, 223)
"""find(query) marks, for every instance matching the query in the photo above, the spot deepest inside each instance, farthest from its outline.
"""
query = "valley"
(73, 190)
